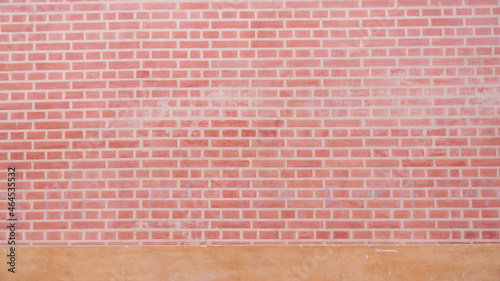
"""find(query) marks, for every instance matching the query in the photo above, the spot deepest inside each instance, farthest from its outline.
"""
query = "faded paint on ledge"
(451, 262)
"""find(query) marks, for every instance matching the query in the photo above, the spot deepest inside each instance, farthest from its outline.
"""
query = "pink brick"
(271, 122)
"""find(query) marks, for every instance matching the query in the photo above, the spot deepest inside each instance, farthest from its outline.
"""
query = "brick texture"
(245, 122)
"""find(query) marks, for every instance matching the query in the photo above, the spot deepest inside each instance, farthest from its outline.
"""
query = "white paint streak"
(385, 251)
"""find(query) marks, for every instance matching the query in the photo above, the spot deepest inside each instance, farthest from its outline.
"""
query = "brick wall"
(243, 122)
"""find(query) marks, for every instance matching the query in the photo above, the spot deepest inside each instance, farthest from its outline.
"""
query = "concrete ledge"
(461, 262)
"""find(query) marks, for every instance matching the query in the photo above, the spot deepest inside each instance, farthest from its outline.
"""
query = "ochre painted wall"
(229, 263)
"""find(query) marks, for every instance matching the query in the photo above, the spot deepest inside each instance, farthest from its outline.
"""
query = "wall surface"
(229, 263)
(250, 123)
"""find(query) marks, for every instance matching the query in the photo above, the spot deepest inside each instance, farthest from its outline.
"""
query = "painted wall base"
(453, 262)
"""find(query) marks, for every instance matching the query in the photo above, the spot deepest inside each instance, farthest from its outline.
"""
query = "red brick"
(275, 122)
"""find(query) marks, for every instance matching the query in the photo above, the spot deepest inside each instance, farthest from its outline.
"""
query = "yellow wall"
(465, 262)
